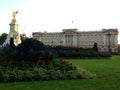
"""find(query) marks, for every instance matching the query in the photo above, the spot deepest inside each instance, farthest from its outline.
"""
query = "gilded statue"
(14, 16)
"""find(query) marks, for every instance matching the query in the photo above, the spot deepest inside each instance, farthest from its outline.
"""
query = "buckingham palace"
(106, 39)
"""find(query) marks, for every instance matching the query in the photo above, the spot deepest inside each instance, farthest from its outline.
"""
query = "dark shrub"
(75, 52)
(95, 48)
(30, 43)
(12, 43)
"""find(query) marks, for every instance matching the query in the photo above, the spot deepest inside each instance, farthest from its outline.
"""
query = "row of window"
(72, 35)
(96, 35)
(80, 43)
(81, 37)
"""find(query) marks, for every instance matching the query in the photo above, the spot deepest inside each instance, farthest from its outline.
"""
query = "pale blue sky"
(55, 15)
(6, 4)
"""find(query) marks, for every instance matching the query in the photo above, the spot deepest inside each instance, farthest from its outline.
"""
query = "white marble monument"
(13, 32)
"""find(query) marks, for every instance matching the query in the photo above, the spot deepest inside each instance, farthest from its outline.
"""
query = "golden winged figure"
(14, 14)
(14, 17)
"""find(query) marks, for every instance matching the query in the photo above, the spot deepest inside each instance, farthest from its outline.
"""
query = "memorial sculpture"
(13, 33)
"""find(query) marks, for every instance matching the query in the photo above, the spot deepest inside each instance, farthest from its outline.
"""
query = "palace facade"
(106, 39)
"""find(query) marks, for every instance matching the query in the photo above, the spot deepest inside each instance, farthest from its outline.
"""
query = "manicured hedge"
(74, 52)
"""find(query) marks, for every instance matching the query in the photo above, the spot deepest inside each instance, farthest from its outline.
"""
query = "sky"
(55, 15)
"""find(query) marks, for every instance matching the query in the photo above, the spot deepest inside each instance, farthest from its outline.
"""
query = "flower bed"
(52, 70)
(31, 61)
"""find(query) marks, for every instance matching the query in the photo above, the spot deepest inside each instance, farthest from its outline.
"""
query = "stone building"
(106, 39)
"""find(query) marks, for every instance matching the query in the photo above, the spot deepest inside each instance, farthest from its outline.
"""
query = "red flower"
(40, 57)
(4, 58)
(9, 63)
(50, 62)
(22, 61)
(65, 62)
(61, 59)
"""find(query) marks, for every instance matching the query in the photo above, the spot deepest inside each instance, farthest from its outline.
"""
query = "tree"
(3, 38)
(12, 43)
(23, 36)
(30, 43)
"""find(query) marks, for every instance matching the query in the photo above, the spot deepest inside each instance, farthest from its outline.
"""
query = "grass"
(107, 70)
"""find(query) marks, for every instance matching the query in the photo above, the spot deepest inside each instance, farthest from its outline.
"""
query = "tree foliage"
(95, 48)
(30, 43)
(2, 38)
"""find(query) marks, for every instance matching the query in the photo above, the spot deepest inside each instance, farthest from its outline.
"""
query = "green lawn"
(107, 70)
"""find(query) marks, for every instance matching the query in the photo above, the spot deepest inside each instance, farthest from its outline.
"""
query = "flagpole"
(72, 24)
